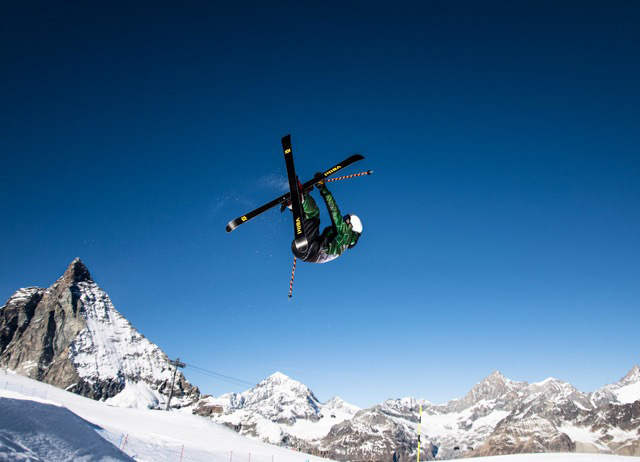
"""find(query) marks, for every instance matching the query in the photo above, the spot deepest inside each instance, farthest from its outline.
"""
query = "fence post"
(182, 453)
(125, 442)
(231, 458)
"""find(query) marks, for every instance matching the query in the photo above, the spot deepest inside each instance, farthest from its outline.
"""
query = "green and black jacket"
(335, 239)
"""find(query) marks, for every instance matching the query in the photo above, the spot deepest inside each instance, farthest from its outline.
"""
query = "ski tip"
(231, 226)
(286, 138)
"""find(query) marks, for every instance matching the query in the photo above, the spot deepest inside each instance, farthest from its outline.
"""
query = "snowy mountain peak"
(493, 387)
(552, 388)
(337, 403)
(71, 336)
(281, 384)
(76, 272)
(633, 375)
(544, 382)
(624, 391)
(278, 398)
(551, 382)
(279, 377)
(497, 376)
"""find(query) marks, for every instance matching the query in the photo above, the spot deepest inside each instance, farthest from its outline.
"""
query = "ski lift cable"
(222, 376)
(218, 375)
(234, 382)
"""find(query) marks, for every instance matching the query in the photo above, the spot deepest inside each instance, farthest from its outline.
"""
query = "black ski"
(300, 240)
(233, 224)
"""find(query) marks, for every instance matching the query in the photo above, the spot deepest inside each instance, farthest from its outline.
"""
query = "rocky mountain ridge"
(71, 336)
(497, 416)
(278, 410)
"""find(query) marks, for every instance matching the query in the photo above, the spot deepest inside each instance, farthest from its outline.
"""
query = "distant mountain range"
(497, 416)
(71, 336)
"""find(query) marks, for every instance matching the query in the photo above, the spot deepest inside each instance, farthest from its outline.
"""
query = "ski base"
(300, 240)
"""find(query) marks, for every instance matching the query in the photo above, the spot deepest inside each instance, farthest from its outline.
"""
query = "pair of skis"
(293, 185)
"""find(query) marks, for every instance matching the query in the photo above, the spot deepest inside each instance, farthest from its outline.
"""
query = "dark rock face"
(71, 336)
(532, 435)
(207, 410)
(373, 436)
(17, 314)
(39, 326)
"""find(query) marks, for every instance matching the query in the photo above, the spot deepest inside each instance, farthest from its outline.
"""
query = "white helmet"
(356, 224)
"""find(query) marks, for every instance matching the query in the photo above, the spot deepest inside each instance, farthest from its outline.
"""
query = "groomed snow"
(34, 430)
(147, 435)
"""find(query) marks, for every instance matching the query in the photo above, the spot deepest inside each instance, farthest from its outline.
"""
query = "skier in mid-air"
(343, 233)
(309, 244)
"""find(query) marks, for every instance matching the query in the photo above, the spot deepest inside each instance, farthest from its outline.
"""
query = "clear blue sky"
(502, 222)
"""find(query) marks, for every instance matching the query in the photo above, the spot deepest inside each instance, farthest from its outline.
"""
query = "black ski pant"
(311, 229)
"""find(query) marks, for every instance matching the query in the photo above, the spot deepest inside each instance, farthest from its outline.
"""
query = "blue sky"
(501, 224)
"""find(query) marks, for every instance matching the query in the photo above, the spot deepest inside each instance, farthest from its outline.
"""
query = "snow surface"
(582, 435)
(544, 382)
(146, 435)
(308, 430)
(34, 430)
(109, 346)
(629, 393)
(137, 395)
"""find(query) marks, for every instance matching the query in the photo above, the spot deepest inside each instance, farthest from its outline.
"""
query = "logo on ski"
(287, 151)
(298, 226)
(244, 218)
(333, 170)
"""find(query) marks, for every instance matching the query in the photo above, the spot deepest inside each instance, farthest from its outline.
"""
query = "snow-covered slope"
(145, 434)
(624, 391)
(42, 430)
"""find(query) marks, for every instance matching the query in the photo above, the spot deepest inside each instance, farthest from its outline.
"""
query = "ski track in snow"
(148, 435)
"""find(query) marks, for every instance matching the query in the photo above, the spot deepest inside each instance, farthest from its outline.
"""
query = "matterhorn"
(71, 336)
